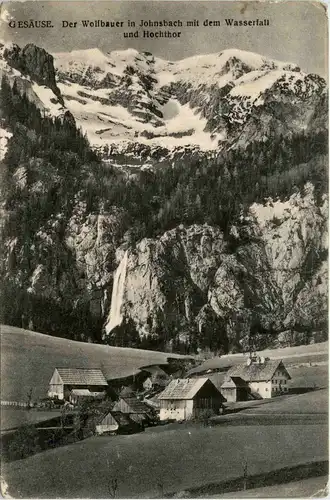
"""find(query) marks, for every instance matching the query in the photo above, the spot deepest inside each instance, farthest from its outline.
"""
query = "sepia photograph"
(164, 249)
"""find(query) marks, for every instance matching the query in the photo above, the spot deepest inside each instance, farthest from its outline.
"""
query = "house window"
(266, 389)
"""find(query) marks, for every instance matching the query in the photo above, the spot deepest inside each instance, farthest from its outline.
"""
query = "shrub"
(204, 416)
(25, 442)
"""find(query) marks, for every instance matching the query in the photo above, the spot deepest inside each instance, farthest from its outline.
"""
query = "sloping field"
(308, 376)
(308, 403)
(291, 355)
(28, 360)
(302, 377)
(156, 463)
(312, 487)
(15, 417)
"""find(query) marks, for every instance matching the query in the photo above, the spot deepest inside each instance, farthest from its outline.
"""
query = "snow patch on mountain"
(49, 100)
(199, 101)
(219, 68)
(106, 123)
(5, 135)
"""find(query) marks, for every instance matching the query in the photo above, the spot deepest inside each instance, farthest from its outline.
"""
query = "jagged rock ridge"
(202, 101)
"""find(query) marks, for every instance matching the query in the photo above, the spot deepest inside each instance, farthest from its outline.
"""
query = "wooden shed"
(115, 422)
(235, 389)
(187, 398)
(133, 406)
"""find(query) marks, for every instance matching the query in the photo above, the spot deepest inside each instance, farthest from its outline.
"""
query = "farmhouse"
(65, 380)
(186, 398)
(265, 377)
(157, 378)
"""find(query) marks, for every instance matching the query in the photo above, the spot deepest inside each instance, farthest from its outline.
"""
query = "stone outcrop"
(35, 62)
(276, 281)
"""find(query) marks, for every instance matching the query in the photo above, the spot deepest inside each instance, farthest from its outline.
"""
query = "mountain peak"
(255, 61)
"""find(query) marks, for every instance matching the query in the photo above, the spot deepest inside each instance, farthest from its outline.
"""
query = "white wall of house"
(56, 386)
(230, 394)
(263, 388)
(147, 384)
(56, 390)
(189, 408)
(280, 382)
(101, 429)
(178, 409)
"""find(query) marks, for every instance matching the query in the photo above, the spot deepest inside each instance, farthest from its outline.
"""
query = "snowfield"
(127, 96)
(105, 123)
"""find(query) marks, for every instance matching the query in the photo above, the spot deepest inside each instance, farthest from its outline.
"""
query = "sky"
(297, 31)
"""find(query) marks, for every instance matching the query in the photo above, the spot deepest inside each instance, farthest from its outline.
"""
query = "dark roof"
(82, 376)
(136, 405)
(154, 369)
(137, 418)
(117, 416)
(126, 392)
(121, 418)
(159, 379)
(233, 382)
(256, 372)
(153, 403)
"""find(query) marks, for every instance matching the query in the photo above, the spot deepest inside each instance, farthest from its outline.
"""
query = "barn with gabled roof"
(64, 380)
(187, 398)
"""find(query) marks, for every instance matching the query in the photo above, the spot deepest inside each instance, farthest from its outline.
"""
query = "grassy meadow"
(28, 360)
(152, 463)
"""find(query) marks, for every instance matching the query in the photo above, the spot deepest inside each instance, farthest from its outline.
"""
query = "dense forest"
(53, 151)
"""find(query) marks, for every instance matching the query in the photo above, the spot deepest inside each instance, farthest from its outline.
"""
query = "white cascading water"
(115, 317)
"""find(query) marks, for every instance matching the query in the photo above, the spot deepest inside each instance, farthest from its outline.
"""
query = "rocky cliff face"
(31, 70)
(191, 276)
(263, 278)
(34, 62)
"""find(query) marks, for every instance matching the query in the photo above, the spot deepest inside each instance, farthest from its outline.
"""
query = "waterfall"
(115, 316)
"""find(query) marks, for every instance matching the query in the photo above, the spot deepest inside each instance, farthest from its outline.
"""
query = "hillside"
(28, 360)
(314, 353)
(152, 463)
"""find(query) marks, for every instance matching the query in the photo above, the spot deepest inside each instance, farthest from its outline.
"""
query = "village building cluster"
(159, 396)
